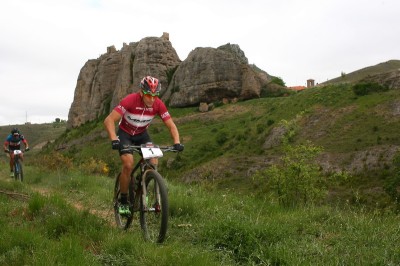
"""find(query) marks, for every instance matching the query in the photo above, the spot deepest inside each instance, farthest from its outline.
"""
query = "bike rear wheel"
(123, 221)
(154, 211)
(18, 171)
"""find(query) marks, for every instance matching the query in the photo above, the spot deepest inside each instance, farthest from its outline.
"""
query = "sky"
(45, 43)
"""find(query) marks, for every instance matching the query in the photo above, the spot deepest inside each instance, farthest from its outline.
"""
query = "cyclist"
(134, 114)
(13, 142)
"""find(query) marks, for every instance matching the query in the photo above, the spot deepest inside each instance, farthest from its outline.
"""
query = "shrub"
(260, 128)
(278, 81)
(361, 89)
(298, 180)
(221, 138)
(93, 166)
(54, 161)
(392, 183)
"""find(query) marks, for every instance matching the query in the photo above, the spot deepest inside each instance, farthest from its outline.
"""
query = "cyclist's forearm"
(109, 124)
(174, 134)
(111, 132)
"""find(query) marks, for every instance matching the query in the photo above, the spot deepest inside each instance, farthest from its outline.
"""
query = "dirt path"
(106, 214)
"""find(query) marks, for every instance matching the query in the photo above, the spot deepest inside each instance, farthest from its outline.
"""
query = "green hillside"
(365, 72)
(227, 146)
(308, 179)
(37, 134)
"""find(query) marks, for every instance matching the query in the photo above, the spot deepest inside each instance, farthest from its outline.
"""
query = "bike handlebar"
(137, 148)
(23, 151)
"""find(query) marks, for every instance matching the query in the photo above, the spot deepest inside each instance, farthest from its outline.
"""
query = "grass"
(214, 219)
(207, 227)
(224, 147)
(66, 220)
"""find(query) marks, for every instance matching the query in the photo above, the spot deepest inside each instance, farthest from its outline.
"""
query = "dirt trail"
(106, 214)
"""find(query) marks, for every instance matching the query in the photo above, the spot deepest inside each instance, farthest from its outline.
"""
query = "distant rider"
(134, 114)
(12, 143)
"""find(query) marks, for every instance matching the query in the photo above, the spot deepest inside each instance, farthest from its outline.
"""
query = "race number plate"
(151, 152)
(17, 151)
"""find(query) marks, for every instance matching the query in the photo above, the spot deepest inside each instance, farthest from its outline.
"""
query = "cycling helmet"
(150, 85)
(15, 131)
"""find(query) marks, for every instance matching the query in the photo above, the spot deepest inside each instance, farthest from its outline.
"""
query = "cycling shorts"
(127, 139)
(13, 148)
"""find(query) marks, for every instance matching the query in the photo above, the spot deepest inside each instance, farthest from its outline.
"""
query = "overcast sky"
(45, 43)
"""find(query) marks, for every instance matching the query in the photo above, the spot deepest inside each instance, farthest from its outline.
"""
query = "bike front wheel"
(123, 221)
(18, 172)
(154, 208)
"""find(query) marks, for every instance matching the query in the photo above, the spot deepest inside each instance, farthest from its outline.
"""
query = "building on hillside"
(310, 83)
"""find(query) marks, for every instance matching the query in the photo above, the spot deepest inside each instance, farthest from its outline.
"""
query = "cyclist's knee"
(127, 165)
(127, 168)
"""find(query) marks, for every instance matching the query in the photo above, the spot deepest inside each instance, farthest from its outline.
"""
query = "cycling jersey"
(136, 117)
(14, 142)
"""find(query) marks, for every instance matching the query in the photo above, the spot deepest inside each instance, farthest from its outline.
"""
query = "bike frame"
(152, 205)
(144, 165)
(17, 164)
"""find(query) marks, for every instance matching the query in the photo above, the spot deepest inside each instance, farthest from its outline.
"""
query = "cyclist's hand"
(115, 144)
(27, 149)
(178, 147)
(7, 150)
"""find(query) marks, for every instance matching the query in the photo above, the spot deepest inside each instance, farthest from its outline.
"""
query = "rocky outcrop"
(211, 75)
(390, 79)
(103, 82)
(208, 75)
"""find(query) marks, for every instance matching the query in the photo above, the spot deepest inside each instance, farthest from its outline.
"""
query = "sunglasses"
(150, 95)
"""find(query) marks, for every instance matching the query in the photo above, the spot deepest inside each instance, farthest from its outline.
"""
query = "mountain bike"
(17, 167)
(147, 194)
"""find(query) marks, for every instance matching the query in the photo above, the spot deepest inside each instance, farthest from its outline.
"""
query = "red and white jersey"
(136, 117)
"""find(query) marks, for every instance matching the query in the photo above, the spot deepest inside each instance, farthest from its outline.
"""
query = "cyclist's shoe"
(11, 174)
(123, 210)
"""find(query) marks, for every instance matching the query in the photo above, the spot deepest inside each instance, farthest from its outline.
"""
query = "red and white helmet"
(150, 85)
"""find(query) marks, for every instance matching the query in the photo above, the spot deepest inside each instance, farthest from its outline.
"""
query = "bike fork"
(145, 199)
(16, 168)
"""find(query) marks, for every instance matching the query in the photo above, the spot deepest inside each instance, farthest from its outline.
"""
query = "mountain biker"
(134, 114)
(12, 143)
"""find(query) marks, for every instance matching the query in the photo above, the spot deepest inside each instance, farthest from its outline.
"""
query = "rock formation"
(207, 75)
(390, 79)
(103, 82)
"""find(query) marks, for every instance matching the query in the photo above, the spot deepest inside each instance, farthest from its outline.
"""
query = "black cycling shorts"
(127, 139)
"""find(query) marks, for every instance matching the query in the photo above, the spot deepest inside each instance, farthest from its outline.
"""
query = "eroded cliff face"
(391, 79)
(210, 75)
(207, 75)
(103, 82)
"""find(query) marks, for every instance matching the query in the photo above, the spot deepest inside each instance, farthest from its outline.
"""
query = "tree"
(278, 80)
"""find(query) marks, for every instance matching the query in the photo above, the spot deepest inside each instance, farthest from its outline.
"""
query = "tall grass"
(64, 212)
(207, 227)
